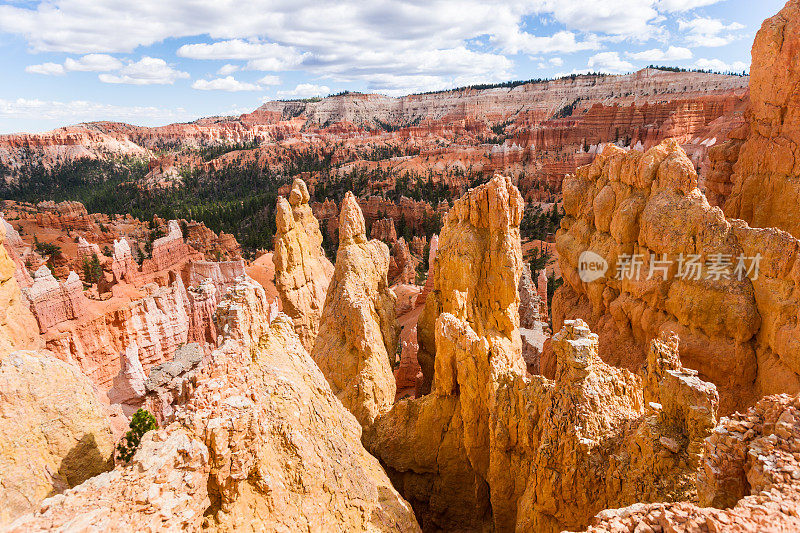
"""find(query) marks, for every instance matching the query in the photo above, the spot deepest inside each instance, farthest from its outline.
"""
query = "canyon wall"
(765, 189)
(260, 441)
(674, 263)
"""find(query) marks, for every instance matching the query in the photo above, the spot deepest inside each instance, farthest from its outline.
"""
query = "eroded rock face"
(53, 301)
(302, 272)
(647, 206)
(54, 433)
(164, 489)
(261, 442)
(18, 327)
(358, 332)
(766, 191)
(489, 447)
(750, 469)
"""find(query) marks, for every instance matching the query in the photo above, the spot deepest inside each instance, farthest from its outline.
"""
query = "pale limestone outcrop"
(123, 264)
(244, 314)
(54, 433)
(260, 443)
(87, 250)
(18, 327)
(765, 190)
(53, 301)
(129, 385)
(357, 340)
(491, 448)
(157, 322)
(164, 489)
(647, 206)
(302, 272)
(201, 305)
(750, 470)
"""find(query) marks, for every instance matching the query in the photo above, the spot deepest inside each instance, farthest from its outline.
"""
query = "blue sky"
(153, 62)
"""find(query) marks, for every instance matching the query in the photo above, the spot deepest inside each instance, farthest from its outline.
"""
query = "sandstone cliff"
(489, 447)
(18, 328)
(357, 341)
(261, 443)
(750, 457)
(302, 272)
(644, 216)
(765, 187)
(54, 433)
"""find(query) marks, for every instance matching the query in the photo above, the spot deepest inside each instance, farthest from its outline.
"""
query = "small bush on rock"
(141, 423)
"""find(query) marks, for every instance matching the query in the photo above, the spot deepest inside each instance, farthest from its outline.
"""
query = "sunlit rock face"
(302, 272)
(628, 205)
(358, 332)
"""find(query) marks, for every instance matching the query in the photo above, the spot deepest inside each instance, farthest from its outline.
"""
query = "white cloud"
(93, 63)
(556, 61)
(565, 42)
(146, 71)
(262, 56)
(720, 66)
(608, 62)
(683, 5)
(48, 69)
(306, 90)
(269, 79)
(430, 43)
(673, 53)
(618, 17)
(226, 69)
(228, 83)
(702, 31)
(83, 111)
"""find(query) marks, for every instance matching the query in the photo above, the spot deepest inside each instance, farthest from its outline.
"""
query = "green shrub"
(141, 423)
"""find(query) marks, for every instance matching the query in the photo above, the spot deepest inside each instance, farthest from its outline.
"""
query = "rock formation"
(54, 302)
(531, 322)
(489, 447)
(402, 266)
(18, 328)
(750, 474)
(357, 341)
(156, 321)
(384, 230)
(245, 313)
(54, 433)
(644, 216)
(261, 442)
(302, 272)
(765, 190)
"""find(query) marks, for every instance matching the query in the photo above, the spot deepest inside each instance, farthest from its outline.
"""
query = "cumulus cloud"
(226, 69)
(377, 44)
(721, 66)
(673, 53)
(560, 42)
(608, 62)
(48, 69)
(93, 63)
(702, 31)
(306, 90)
(146, 71)
(228, 83)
